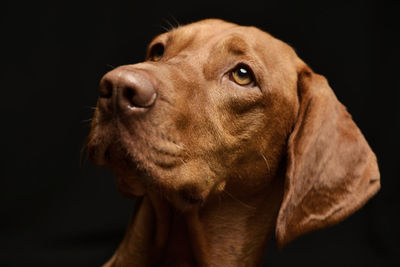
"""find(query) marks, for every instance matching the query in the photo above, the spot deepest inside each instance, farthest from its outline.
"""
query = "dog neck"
(226, 231)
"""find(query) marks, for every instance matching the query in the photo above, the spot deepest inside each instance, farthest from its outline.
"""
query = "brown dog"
(226, 135)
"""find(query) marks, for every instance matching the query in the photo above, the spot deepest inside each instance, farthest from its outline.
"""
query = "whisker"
(164, 28)
(177, 24)
(90, 107)
(266, 162)
(181, 147)
(238, 200)
(85, 121)
(110, 66)
(83, 155)
(170, 26)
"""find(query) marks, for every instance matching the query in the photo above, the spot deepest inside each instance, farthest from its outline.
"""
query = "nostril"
(106, 89)
(129, 95)
(139, 97)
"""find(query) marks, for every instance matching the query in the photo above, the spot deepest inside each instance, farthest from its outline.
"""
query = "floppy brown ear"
(331, 170)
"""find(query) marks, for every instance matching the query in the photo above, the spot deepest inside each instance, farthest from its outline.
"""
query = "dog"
(225, 137)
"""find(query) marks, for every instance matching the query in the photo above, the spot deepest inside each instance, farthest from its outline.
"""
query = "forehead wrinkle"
(224, 51)
(235, 45)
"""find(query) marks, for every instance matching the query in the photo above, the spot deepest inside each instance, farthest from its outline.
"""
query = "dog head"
(216, 104)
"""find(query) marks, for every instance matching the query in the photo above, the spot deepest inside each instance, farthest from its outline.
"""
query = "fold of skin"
(225, 232)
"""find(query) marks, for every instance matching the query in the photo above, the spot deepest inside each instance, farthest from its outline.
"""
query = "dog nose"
(127, 91)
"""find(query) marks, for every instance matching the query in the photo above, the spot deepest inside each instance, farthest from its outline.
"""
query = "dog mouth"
(149, 156)
(151, 161)
(120, 152)
(135, 176)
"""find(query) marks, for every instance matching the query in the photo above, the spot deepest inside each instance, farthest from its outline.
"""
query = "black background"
(57, 209)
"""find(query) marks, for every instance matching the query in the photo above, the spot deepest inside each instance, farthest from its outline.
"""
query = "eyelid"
(152, 47)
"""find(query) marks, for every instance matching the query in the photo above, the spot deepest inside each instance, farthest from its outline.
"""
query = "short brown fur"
(218, 167)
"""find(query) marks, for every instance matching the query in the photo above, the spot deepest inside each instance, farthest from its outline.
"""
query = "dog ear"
(331, 170)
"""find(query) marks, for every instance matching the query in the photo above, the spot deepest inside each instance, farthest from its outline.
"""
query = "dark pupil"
(243, 73)
(158, 51)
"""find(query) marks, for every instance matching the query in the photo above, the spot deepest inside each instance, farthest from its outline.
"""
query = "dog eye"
(156, 52)
(242, 75)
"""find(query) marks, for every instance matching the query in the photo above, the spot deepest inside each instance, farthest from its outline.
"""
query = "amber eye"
(242, 75)
(156, 52)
